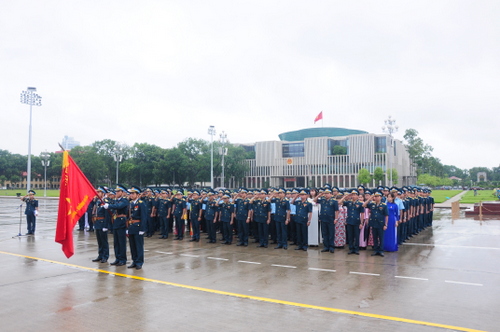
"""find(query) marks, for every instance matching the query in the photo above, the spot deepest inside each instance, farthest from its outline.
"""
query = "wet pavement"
(448, 275)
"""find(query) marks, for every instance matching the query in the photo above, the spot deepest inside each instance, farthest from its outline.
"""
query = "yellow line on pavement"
(256, 298)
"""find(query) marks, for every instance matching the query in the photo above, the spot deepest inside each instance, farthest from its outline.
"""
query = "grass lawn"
(39, 192)
(482, 195)
(443, 195)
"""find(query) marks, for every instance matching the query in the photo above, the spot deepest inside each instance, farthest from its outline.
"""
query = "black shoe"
(104, 261)
(131, 266)
(97, 259)
(325, 250)
(114, 263)
(298, 248)
(138, 267)
(356, 253)
(246, 244)
(239, 244)
(285, 247)
(332, 251)
(265, 246)
(192, 240)
(381, 254)
(120, 264)
(260, 246)
(305, 249)
(350, 252)
(374, 254)
(278, 247)
(91, 230)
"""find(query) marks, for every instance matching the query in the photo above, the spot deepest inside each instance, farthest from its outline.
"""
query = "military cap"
(135, 189)
(355, 191)
(377, 193)
(120, 187)
(32, 192)
(102, 189)
(304, 191)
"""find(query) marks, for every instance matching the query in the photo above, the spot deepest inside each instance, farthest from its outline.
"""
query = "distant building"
(317, 156)
(69, 143)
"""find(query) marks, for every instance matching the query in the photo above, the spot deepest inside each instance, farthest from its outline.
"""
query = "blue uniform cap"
(135, 189)
(354, 191)
(120, 187)
(102, 189)
(32, 192)
(304, 192)
(377, 193)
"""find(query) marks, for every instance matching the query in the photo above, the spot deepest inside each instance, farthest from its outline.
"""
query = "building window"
(380, 145)
(293, 150)
(338, 147)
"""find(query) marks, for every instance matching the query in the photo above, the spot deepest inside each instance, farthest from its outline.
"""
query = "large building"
(317, 156)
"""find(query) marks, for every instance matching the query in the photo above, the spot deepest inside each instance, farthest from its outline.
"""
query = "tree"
(394, 175)
(416, 147)
(339, 150)
(364, 176)
(378, 175)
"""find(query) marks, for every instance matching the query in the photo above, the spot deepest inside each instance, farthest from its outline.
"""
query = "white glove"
(126, 232)
(104, 229)
(36, 213)
(106, 205)
(141, 233)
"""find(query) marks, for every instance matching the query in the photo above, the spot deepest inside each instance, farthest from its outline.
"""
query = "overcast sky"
(162, 71)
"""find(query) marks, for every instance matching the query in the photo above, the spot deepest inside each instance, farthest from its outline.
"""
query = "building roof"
(300, 135)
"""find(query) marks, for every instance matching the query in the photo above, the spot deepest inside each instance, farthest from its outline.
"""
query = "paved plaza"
(446, 278)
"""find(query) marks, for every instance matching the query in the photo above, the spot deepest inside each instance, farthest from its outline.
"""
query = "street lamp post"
(390, 128)
(211, 132)
(223, 137)
(31, 98)
(118, 156)
(45, 163)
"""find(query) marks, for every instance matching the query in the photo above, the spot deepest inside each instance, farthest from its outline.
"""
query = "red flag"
(319, 117)
(76, 194)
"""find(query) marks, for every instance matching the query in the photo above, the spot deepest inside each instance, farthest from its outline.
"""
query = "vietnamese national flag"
(319, 117)
(76, 194)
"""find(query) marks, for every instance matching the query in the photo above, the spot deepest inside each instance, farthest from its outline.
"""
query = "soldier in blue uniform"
(179, 209)
(210, 214)
(262, 216)
(163, 210)
(302, 219)
(226, 217)
(328, 216)
(243, 210)
(102, 219)
(379, 217)
(281, 217)
(292, 228)
(121, 207)
(31, 211)
(196, 214)
(137, 225)
(355, 220)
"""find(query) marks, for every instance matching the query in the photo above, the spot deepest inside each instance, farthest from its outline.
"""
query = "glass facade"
(293, 150)
(380, 145)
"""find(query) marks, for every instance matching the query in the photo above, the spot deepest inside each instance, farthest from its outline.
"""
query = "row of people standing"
(357, 217)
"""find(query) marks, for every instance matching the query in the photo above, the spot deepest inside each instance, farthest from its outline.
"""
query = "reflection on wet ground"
(449, 274)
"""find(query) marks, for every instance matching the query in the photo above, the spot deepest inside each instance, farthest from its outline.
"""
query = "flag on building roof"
(75, 195)
(319, 117)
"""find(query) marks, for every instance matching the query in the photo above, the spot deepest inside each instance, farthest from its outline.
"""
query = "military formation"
(273, 215)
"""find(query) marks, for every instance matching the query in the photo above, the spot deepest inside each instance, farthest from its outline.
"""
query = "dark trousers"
(211, 230)
(81, 222)
(272, 229)
(378, 239)
(195, 224)
(91, 223)
(328, 232)
(151, 226)
(180, 226)
(353, 237)
(136, 242)
(227, 231)
(302, 235)
(263, 233)
(255, 230)
(282, 234)
(120, 244)
(31, 222)
(102, 244)
(163, 226)
(292, 229)
(243, 227)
